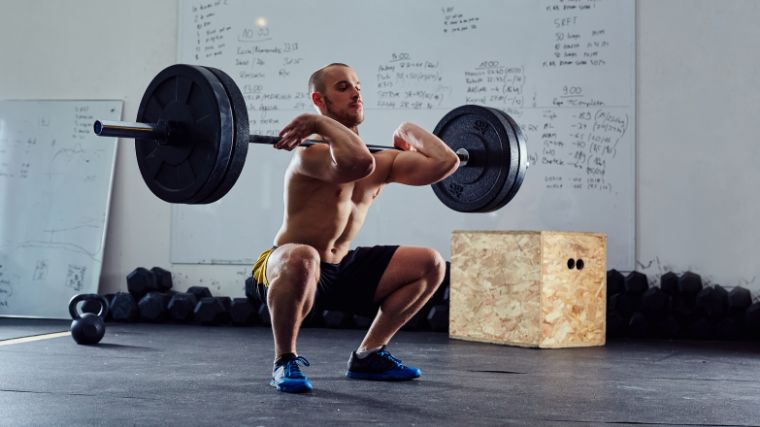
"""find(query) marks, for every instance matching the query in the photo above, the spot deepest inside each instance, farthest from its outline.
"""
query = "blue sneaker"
(381, 366)
(287, 376)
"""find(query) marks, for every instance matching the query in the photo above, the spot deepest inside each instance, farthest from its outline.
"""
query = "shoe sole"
(291, 388)
(379, 377)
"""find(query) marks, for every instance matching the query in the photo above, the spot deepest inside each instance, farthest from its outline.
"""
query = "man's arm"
(425, 159)
(344, 158)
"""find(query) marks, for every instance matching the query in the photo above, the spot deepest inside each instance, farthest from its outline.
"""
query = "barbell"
(192, 134)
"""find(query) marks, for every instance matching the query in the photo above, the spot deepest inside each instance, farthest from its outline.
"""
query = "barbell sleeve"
(134, 130)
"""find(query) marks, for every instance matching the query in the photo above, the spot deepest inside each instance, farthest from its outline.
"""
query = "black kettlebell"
(88, 328)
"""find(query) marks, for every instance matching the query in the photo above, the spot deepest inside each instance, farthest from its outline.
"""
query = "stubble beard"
(349, 120)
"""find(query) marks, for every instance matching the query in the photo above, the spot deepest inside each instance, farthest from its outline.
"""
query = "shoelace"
(292, 369)
(389, 356)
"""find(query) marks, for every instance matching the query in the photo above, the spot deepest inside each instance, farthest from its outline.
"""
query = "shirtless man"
(328, 190)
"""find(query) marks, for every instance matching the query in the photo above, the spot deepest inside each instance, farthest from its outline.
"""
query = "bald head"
(317, 79)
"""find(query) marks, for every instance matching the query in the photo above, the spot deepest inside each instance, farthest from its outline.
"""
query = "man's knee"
(435, 268)
(438, 267)
(294, 266)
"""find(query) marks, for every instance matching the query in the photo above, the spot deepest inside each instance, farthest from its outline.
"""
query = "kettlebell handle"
(86, 297)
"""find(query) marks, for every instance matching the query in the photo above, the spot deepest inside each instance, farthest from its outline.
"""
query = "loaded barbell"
(192, 133)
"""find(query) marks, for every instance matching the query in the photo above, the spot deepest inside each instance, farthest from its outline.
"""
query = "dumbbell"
(731, 327)
(689, 284)
(181, 307)
(684, 302)
(624, 304)
(639, 326)
(685, 289)
(617, 304)
(153, 307)
(312, 320)
(669, 283)
(362, 322)
(263, 315)
(438, 318)
(628, 292)
(615, 283)
(140, 281)
(700, 328)
(337, 319)
(213, 310)
(739, 299)
(666, 327)
(655, 304)
(418, 322)
(243, 312)
(712, 302)
(752, 320)
(123, 307)
(636, 283)
(250, 289)
(200, 292)
(617, 325)
(164, 280)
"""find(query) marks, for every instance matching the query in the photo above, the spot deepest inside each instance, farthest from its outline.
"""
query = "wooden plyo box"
(518, 288)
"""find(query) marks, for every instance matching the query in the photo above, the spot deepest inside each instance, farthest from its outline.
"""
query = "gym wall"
(697, 74)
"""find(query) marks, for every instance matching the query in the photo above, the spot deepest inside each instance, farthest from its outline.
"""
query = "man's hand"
(403, 139)
(424, 159)
(297, 130)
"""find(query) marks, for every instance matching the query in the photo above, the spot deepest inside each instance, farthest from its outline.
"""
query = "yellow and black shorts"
(347, 286)
(259, 271)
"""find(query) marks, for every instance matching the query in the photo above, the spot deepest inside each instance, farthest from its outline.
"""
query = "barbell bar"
(191, 138)
(160, 131)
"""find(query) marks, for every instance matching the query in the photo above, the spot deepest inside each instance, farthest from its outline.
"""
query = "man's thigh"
(353, 289)
(408, 264)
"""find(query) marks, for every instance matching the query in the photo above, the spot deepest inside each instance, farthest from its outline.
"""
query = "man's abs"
(322, 215)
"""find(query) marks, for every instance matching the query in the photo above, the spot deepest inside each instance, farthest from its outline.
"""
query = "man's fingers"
(283, 142)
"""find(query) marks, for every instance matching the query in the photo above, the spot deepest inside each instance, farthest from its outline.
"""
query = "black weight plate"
(220, 169)
(240, 146)
(522, 159)
(196, 156)
(513, 149)
(492, 164)
(517, 140)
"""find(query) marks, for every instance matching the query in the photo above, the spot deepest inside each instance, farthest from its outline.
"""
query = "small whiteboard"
(55, 189)
(564, 70)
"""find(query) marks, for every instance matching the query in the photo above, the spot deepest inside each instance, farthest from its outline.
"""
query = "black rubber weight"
(195, 158)
(240, 145)
(492, 167)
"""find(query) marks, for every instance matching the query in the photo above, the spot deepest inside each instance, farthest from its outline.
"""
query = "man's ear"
(316, 99)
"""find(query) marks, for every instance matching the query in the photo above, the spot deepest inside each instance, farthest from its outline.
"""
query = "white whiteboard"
(55, 187)
(565, 70)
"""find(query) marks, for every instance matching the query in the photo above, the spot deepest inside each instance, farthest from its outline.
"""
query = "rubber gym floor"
(144, 374)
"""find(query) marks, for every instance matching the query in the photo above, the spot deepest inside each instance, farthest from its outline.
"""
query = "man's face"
(342, 99)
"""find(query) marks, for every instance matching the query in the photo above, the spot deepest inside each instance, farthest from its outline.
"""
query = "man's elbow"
(356, 169)
(365, 166)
